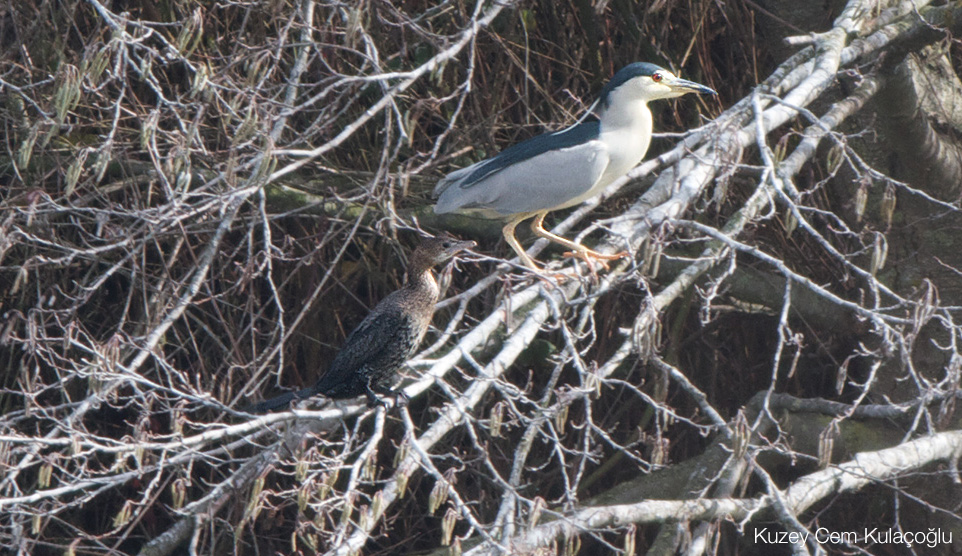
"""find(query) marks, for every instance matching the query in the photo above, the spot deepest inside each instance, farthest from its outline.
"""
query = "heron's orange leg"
(577, 250)
(508, 232)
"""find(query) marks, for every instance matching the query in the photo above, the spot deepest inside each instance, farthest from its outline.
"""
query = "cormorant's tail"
(283, 401)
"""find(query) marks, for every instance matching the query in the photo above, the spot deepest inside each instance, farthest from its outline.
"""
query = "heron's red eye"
(656, 77)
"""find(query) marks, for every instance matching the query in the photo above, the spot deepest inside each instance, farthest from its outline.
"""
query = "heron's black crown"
(625, 74)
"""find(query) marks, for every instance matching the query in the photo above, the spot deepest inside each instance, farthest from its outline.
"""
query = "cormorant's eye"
(656, 77)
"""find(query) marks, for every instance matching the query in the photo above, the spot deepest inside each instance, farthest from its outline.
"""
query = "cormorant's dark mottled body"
(386, 338)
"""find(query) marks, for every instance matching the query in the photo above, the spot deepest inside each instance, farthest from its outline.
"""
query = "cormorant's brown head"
(436, 250)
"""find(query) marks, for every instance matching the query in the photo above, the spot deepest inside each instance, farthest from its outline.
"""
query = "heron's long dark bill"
(686, 86)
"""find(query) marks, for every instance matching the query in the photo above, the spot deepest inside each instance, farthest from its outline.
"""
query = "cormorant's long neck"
(421, 280)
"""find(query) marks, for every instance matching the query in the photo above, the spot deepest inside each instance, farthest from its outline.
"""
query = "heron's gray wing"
(546, 180)
(572, 136)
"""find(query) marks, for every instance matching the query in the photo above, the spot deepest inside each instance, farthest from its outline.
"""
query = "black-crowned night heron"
(559, 170)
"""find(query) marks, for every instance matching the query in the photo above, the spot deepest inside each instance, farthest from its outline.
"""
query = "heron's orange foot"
(559, 277)
(589, 254)
(552, 279)
(592, 257)
(589, 261)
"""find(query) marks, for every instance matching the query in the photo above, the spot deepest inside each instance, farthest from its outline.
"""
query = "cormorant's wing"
(381, 331)
(376, 333)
